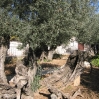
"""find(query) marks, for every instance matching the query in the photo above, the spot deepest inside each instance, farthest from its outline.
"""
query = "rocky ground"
(89, 82)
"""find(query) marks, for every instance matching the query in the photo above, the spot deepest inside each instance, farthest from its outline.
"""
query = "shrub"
(95, 61)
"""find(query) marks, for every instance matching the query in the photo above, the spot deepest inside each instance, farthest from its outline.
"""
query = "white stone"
(77, 81)
(86, 64)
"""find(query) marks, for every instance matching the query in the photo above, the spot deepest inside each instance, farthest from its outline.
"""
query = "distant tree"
(83, 13)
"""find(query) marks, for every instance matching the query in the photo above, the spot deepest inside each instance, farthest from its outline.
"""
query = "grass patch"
(35, 85)
(95, 61)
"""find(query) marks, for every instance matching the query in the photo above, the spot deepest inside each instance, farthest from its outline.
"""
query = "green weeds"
(95, 61)
(36, 82)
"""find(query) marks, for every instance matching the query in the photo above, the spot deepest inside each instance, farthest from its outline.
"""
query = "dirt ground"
(89, 82)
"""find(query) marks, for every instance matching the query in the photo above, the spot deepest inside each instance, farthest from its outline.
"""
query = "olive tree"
(49, 22)
(8, 26)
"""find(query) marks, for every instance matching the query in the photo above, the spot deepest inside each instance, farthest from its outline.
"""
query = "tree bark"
(50, 54)
(31, 75)
(18, 91)
(3, 50)
(43, 56)
(31, 63)
(67, 75)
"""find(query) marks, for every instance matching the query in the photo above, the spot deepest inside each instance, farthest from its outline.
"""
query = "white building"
(13, 50)
(67, 49)
(71, 46)
(63, 49)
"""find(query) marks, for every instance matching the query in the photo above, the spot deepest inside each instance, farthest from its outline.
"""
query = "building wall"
(70, 47)
(13, 50)
(63, 49)
(67, 49)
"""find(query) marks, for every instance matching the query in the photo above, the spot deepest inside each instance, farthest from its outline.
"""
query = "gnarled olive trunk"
(66, 75)
(4, 45)
(3, 50)
(31, 63)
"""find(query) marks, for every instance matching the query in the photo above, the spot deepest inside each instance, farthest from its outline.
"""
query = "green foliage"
(95, 61)
(10, 26)
(94, 37)
(35, 84)
(82, 14)
(53, 22)
(49, 24)
(14, 38)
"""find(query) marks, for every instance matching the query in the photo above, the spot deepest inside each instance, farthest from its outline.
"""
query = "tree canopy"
(52, 22)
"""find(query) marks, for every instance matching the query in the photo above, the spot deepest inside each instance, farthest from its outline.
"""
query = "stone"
(53, 96)
(77, 81)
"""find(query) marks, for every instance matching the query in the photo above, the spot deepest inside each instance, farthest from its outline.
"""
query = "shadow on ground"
(91, 81)
(45, 95)
(49, 66)
(90, 85)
